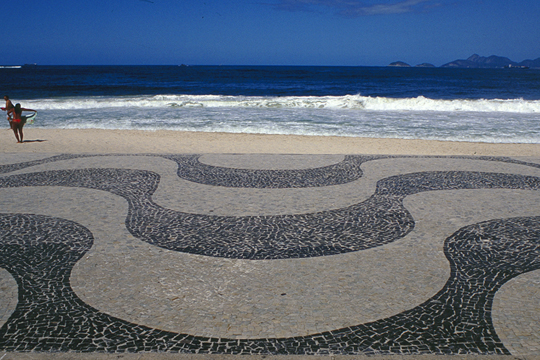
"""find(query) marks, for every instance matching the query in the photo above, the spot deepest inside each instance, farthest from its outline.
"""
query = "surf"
(346, 102)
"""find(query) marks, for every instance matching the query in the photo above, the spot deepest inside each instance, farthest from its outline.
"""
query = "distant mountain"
(404, 64)
(399, 64)
(531, 63)
(491, 62)
(476, 61)
(480, 62)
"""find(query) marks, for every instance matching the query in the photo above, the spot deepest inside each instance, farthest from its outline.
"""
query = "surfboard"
(29, 120)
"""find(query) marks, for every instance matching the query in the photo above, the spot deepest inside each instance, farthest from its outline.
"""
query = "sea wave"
(351, 102)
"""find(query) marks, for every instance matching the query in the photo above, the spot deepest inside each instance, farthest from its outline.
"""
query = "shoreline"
(80, 141)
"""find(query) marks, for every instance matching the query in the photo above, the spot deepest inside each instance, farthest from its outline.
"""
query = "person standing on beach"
(9, 106)
(17, 123)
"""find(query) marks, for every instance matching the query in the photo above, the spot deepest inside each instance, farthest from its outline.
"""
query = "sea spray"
(353, 102)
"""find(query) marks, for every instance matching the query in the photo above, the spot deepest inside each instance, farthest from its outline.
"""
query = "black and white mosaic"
(379, 220)
(191, 169)
(4, 169)
(41, 251)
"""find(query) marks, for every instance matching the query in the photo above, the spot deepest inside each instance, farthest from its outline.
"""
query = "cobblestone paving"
(270, 254)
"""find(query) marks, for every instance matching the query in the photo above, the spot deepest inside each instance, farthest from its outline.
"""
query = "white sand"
(136, 141)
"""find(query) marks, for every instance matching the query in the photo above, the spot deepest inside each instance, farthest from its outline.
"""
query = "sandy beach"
(138, 141)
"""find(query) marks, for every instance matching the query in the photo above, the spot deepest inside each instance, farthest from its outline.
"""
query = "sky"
(267, 32)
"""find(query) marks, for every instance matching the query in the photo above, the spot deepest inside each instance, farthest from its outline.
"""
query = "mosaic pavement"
(270, 254)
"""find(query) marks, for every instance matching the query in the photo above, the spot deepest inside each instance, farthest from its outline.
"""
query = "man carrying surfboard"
(17, 123)
(9, 106)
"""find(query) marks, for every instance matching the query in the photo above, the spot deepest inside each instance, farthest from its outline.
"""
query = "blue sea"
(484, 105)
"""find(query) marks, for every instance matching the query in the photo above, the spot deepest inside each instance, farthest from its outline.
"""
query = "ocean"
(483, 105)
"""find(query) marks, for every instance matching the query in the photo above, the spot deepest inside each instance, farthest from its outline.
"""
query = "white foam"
(347, 102)
(506, 121)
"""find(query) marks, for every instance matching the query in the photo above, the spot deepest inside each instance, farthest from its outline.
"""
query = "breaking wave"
(352, 102)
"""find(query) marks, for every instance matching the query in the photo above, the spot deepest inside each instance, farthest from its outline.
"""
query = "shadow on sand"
(31, 141)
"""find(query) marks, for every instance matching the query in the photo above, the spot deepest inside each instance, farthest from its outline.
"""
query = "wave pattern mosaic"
(40, 251)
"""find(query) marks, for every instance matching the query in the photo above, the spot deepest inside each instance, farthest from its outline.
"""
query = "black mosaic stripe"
(189, 168)
(348, 170)
(41, 251)
(4, 169)
(379, 220)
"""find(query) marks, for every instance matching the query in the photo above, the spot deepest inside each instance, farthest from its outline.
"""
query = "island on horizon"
(476, 61)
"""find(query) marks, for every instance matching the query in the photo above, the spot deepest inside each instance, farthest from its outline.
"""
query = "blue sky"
(267, 32)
